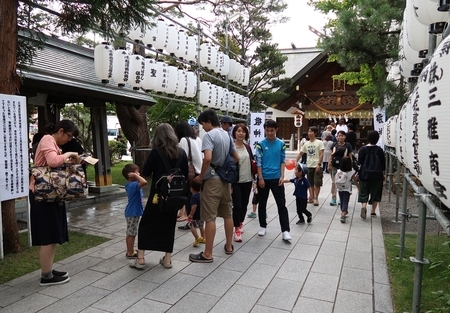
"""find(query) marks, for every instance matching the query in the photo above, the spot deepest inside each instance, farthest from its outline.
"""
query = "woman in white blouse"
(184, 133)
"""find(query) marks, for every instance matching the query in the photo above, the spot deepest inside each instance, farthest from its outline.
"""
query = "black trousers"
(280, 200)
(302, 205)
(241, 196)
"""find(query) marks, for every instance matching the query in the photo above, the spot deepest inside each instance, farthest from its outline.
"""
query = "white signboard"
(379, 117)
(256, 129)
(13, 147)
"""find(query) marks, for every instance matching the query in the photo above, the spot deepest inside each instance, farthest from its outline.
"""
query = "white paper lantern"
(219, 61)
(103, 61)
(136, 34)
(161, 76)
(191, 90)
(149, 82)
(182, 83)
(172, 79)
(208, 56)
(232, 70)
(224, 70)
(232, 102)
(219, 97)
(205, 94)
(182, 45)
(150, 36)
(238, 73)
(191, 53)
(436, 95)
(137, 71)
(121, 65)
(426, 12)
(247, 105)
(225, 100)
(412, 159)
(172, 42)
(162, 35)
(213, 103)
(245, 76)
(416, 33)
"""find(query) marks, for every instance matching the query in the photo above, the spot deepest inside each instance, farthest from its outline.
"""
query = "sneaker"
(241, 228)
(309, 219)
(197, 241)
(300, 222)
(363, 213)
(286, 236)
(342, 219)
(262, 231)
(237, 236)
(60, 274)
(185, 227)
(333, 202)
(55, 280)
(252, 215)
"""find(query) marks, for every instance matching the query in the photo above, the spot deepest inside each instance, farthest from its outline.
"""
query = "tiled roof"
(70, 67)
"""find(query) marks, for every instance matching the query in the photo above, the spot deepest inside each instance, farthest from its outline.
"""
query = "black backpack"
(371, 168)
(171, 187)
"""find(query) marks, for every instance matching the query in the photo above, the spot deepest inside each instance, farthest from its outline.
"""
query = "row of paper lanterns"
(142, 72)
(417, 18)
(167, 37)
(220, 98)
(418, 132)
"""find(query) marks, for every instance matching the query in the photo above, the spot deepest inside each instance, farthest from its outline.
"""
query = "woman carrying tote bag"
(49, 219)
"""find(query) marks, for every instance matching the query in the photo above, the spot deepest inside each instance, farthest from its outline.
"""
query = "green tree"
(249, 38)
(363, 38)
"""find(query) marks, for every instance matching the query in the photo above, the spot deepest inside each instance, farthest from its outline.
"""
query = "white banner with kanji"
(379, 117)
(256, 128)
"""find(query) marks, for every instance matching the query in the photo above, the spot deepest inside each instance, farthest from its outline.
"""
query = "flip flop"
(133, 256)
(228, 252)
(199, 258)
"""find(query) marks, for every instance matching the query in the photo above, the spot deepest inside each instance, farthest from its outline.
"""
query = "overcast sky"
(296, 29)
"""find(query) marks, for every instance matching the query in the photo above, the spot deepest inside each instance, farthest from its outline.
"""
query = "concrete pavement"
(327, 267)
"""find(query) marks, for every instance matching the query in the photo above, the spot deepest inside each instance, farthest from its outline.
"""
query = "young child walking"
(301, 192)
(253, 214)
(344, 176)
(135, 207)
(193, 218)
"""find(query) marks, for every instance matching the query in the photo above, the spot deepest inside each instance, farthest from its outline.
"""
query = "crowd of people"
(207, 195)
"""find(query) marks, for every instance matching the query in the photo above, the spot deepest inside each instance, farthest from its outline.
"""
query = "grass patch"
(116, 173)
(18, 264)
(436, 275)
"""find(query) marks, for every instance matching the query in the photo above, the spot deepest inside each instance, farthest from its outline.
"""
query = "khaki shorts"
(215, 200)
(315, 178)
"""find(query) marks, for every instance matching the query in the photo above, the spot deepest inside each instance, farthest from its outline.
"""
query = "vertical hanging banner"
(379, 117)
(256, 129)
(14, 147)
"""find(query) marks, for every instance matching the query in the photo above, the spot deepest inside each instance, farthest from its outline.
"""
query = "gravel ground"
(387, 210)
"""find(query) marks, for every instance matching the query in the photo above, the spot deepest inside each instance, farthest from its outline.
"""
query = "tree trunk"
(134, 126)
(9, 84)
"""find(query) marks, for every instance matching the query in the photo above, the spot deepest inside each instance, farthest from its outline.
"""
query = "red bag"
(191, 168)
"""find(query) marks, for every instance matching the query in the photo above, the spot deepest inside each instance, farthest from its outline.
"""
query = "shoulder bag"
(191, 168)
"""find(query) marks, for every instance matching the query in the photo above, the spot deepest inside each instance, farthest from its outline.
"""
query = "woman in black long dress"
(157, 229)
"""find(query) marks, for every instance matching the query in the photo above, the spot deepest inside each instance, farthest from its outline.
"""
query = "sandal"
(310, 201)
(199, 258)
(133, 256)
(161, 261)
(228, 252)
(135, 264)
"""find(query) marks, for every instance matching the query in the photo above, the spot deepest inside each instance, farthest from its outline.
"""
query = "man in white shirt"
(341, 126)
